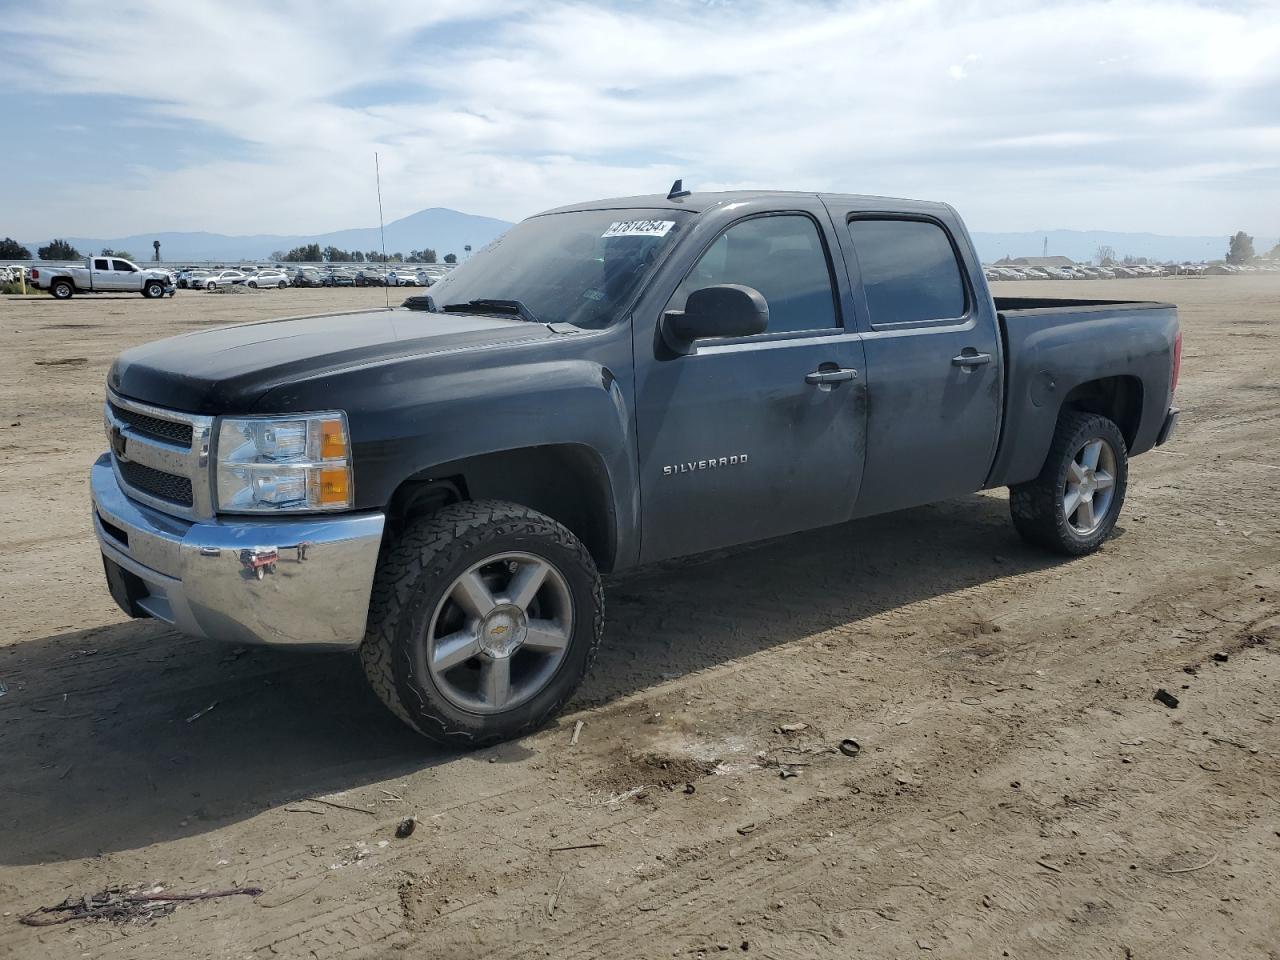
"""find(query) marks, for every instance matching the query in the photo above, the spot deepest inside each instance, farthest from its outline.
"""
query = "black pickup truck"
(440, 486)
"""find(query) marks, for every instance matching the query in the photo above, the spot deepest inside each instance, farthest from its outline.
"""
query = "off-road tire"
(62, 289)
(154, 290)
(423, 561)
(1037, 506)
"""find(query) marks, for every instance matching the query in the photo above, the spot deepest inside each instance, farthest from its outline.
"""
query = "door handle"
(974, 359)
(831, 376)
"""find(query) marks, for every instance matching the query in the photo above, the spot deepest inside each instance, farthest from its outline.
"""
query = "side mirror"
(726, 310)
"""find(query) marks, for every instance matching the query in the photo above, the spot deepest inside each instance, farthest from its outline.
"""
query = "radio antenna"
(382, 232)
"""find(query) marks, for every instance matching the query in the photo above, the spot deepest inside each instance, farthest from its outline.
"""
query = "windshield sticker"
(639, 228)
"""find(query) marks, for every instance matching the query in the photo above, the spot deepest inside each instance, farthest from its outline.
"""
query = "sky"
(128, 117)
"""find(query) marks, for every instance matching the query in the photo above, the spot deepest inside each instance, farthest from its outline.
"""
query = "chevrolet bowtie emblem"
(119, 443)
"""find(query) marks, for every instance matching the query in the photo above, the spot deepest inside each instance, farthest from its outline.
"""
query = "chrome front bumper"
(301, 582)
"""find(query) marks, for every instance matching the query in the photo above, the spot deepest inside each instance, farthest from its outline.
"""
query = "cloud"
(1144, 115)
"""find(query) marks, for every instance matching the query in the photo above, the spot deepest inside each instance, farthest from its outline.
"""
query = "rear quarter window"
(909, 271)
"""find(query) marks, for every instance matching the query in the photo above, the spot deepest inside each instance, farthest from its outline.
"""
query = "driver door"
(124, 276)
(740, 440)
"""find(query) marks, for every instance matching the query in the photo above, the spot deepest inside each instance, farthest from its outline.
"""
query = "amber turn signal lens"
(333, 440)
(334, 487)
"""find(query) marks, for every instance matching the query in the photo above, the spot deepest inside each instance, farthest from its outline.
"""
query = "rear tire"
(154, 290)
(1073, 505)
(430, 655)
(62, 289)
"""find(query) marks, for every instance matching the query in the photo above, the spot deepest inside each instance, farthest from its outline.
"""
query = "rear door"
(739, 441)
(100, 277)
(933, 357)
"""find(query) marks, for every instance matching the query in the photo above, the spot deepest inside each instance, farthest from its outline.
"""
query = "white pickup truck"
(102, 275)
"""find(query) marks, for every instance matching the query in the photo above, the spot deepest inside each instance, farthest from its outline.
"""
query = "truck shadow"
(120, 736)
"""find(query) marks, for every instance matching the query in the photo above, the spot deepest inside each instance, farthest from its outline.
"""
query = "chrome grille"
(168, 430)
(157, 483)
(161, 456)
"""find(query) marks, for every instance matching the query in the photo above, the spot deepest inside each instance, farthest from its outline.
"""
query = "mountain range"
(449, 231)
(441, 229)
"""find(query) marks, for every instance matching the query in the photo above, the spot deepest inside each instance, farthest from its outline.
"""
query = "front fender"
(411, 415)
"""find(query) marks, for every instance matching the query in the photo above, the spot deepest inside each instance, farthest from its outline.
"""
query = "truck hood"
(228, 370)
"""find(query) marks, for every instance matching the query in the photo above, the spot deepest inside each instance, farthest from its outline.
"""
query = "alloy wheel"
(499, 633)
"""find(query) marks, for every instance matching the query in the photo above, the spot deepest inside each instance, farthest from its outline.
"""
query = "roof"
(697, 202)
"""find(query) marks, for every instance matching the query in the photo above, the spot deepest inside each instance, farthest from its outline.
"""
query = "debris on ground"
(1167, 698)
(850, 748)
(577, 732)
(62, 362)
(576, 846)
(791, 728)
(1221, 656)
(118, 905)
(406, 827)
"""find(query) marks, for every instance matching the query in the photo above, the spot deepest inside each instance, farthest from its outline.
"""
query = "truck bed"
(1053, 347)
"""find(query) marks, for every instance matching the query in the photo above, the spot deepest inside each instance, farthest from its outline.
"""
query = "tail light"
(1177, 362)
(35, 274)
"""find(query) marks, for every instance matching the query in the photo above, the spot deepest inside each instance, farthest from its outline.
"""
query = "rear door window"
(101, 265)
(784, 258)
(909, 270)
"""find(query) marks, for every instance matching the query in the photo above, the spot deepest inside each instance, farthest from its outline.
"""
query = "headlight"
(297, 462)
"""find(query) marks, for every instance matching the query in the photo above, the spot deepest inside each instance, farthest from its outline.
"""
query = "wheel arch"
(568, 482)
(1119, 399)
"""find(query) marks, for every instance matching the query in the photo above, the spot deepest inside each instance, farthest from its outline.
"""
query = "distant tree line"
(58, 250)
(11, 249)
(1240, 248)
(312, 253)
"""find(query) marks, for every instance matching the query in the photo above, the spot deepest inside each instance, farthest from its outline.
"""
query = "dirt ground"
(1018, 793)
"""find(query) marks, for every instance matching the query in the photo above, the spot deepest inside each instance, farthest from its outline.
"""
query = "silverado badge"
(712, 464)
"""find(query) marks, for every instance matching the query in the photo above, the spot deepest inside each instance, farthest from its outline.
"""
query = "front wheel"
(1073, 505)
(154, 290)
(211, 286)
(281, 285)
(485, 617)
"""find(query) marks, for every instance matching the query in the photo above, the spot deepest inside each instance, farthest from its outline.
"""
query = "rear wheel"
(1073, 505)
(62, 289)
(485, 617)
(154, 290)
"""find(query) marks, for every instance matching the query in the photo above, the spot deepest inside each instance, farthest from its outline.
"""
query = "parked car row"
(1077, 271)
(310, 276)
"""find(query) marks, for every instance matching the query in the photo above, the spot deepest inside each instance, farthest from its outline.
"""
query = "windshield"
(580, 268)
